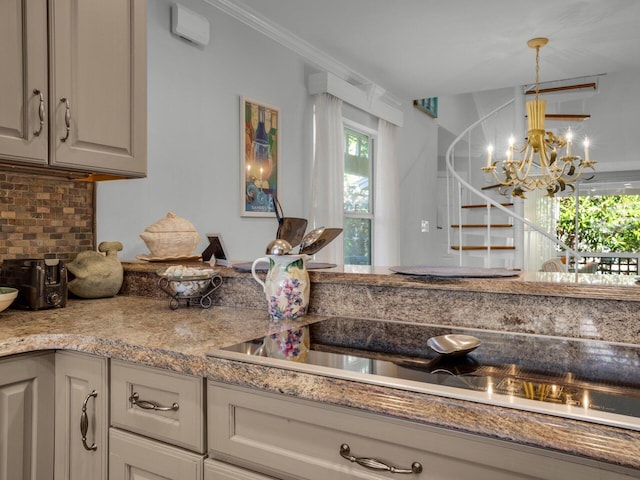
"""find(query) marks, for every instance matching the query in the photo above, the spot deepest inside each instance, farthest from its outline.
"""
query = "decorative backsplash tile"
(45, 216)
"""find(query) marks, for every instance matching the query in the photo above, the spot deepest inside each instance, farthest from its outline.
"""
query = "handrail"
(449, 161)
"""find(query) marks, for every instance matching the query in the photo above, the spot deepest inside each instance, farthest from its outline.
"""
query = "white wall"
(417, 144)
(193, 135)
(193, 140)
(613, 126)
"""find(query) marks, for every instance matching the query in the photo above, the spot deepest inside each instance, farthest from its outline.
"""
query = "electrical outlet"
(424, 226)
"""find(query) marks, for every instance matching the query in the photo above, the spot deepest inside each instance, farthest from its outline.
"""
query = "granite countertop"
(554, 284)
(147, 332)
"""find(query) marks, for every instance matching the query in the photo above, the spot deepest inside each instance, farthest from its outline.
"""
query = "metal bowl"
(453, 344)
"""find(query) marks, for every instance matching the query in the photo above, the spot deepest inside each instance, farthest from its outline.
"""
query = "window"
(607, 227)
(358, 198)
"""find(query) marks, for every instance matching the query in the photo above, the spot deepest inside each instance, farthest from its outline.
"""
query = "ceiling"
(423, 48)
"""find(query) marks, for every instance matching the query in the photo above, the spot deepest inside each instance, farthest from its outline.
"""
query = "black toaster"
(42, 283)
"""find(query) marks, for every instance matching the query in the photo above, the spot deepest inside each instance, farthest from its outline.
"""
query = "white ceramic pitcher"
(286, 285)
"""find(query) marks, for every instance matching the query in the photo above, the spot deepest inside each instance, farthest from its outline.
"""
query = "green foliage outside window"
(608, 223)
(357, 198)
(357, 241)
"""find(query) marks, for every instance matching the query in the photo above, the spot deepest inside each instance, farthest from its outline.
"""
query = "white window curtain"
(328, 174)
(386, 243)
(543, 211)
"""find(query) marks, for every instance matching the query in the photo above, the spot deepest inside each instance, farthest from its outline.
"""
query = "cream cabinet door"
(132, 457)
(98, 85)
(81, 420)
(293, 439)
(26, 417)
(23, 81)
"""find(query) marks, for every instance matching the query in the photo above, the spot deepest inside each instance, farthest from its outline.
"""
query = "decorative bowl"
(7, 296)
(453, 344)
(186, 281)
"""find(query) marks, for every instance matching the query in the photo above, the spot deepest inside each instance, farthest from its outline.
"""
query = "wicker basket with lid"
(171, 237)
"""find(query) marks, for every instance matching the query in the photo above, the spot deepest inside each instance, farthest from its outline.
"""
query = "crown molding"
(314, 55)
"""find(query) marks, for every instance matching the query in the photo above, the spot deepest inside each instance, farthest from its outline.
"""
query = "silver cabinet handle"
(373, 464)
(67, 118)
(40, 112)
(134, 399)
(84, 422)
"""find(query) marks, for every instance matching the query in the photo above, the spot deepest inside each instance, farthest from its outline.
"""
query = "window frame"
(373, 136)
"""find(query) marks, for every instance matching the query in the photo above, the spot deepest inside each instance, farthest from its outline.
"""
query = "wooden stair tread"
(567, 117)
(579, 86)
(482, 247)
(484, 205)
(482, 225)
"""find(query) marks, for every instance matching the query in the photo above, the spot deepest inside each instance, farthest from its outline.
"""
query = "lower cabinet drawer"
(159, 404)
(132, 457)
(293, 439)
(214, 470)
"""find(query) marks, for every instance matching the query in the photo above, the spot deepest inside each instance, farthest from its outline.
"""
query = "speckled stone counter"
(590, 306)
(147, 332)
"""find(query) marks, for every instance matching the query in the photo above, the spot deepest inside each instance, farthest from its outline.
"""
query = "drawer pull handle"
(84, 422)
(40, 112)
(373, 464)
(150, 405)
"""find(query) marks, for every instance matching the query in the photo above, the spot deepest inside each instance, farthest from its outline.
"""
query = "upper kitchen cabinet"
(98, 84)
(93, 104)
(24, 130)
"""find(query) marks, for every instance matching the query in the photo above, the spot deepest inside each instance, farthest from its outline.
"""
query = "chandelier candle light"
(541, 167)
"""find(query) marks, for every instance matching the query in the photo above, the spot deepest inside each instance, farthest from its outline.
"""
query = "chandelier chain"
(537, 72)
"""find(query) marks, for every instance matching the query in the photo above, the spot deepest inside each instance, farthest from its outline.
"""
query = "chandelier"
(541, 166)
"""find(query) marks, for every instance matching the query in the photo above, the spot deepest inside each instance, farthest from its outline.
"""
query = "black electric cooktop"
(590, 380)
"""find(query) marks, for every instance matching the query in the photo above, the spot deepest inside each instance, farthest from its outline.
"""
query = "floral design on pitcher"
(288, 301)
(290, 298)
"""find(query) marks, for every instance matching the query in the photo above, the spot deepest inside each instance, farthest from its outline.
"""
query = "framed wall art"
(428, 106)
(259, 158)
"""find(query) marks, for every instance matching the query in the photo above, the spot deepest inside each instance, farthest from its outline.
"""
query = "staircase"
(472, 231)
(485, 228)
(481, 234)
(486, 244)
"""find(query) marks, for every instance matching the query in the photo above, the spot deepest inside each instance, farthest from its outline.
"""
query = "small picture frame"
(216, 250)
(428, 106)
(259, 158)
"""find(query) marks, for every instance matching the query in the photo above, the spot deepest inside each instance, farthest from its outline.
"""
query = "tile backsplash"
(45, 216)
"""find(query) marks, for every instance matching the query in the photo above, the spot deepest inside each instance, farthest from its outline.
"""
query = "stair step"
(484, 205)
(482, 225)
(567, 117)
(482, 247)
(580, 86)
